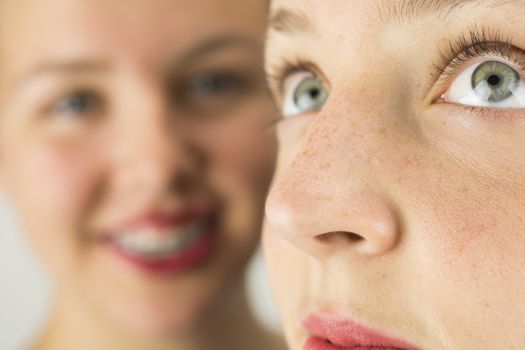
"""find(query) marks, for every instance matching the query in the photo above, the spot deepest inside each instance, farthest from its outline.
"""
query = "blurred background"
(26, 295)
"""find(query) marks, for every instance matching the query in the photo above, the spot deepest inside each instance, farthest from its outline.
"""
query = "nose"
(151, 156)
(330, 198)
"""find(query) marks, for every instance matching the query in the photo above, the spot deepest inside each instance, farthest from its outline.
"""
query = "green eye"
(310, 94)
(495, 81)
(307, 94)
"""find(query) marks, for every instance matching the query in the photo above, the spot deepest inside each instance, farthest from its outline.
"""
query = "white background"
(26, 294)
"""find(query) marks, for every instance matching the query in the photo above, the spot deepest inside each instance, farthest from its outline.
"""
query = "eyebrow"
(63, 67)
(410, 10)
(78, 66)
(218, 44)
(291, 22)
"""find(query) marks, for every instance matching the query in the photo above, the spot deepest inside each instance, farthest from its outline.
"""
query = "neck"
(231, 326)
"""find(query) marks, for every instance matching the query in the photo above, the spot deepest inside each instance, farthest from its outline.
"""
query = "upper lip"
(161, 220)
(348, 334)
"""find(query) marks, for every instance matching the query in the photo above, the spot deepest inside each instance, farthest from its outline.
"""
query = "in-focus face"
(133, 145)
(398, 204)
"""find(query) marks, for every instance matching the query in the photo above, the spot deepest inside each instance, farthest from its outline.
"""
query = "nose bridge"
(149, 151)
(342, 152)
(146, 123)
(333, 185)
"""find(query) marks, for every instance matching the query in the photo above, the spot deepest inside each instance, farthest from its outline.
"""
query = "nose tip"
(363, 223)
(155, 162)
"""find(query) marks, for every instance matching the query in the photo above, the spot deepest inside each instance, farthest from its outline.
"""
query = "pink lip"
(196, 254)
(330, 333)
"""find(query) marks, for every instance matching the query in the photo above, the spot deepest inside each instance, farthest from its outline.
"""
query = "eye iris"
(310, 94)
(79, 104)
(495, 81)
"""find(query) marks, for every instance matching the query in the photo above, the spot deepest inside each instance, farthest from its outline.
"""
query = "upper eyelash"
(277, 75)
(476, 43)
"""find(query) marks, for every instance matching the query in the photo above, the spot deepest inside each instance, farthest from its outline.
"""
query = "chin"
(161, 319)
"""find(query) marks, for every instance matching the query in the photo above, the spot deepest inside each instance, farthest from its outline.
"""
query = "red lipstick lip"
(331, 333)
(161, 220)
(192, 257)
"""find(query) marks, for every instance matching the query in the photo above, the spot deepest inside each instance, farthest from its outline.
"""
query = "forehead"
(388, 12)
(305, 25)
(30, 27)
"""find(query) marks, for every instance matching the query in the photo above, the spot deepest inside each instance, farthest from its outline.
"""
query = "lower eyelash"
(479, 41)
(493, 115)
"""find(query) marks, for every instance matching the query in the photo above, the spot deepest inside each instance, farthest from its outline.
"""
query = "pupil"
(207, 83)
(494, 80)
(314, 93)
(78, 103)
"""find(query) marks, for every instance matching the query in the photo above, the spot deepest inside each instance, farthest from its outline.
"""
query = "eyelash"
(277, 74)
(477, 42)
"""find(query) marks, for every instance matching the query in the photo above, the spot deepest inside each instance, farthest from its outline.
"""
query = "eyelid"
(478, 42)
(514, 58)
(479, 45)
(279, 73)
(444, 86)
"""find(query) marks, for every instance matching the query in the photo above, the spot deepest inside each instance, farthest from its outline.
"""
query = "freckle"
(407, 162)
(326, 165)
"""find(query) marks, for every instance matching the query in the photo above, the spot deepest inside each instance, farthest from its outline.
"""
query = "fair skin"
(399, 196)
(118, 111)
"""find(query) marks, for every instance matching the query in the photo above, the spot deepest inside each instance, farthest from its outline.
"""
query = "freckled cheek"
(467, 235)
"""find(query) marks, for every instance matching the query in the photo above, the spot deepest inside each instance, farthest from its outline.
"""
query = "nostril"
(353, 237)
(340, 235)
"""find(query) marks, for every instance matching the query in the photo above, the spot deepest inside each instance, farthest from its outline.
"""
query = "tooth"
(147, 242)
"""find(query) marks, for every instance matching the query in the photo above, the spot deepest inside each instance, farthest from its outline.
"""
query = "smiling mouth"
(160, 243)
(148, 243)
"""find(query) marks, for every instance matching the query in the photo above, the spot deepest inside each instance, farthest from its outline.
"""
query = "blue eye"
(78, 104)
(304, 92)
(212, 93)
(488, 84)
(217, 83)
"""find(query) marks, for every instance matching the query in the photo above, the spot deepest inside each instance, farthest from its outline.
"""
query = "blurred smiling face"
(132, 143)
(396, 218)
